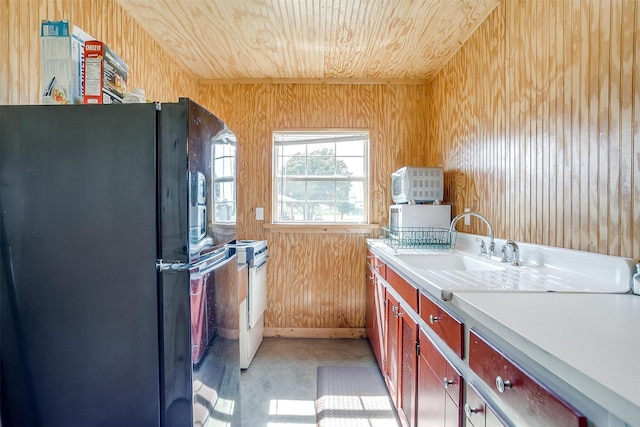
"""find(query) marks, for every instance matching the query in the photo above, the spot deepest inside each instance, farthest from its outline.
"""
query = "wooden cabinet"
(381, 324)
(477, 412)
(439, 388)
(443, 324)
(392, 350)
(408, 372)
(370, 308)
(406, 290)
(532, 403)
(377, 264)
(375, 316)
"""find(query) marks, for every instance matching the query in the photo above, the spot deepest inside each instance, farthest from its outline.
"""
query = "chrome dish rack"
(419, 238)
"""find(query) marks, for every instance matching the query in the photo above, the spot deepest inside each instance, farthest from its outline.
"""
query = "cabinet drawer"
(371, 259)
(446, 326)
(533, 403)
(448, 376)
(380, 267)
(407, 291)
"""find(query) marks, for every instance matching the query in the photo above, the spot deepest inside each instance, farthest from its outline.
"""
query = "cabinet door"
(431, 409)
(408, 334)
(451, 413)
(370, 313)
(439, 387)
(392, 365)
(381, 324)
(475, 408)
(492, 420)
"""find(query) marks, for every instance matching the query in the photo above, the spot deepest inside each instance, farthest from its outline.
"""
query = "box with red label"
(105, 74)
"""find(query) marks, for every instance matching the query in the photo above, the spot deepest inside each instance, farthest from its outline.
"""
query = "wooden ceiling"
(315, 40)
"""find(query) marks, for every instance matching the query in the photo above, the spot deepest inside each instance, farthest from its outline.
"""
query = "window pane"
(353, 166)
(295, 166)
(293, 150)
(322, 165)
(293, 190)
(321, 191)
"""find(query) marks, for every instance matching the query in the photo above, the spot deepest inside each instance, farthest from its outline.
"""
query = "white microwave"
(402, 216)
(411, 184)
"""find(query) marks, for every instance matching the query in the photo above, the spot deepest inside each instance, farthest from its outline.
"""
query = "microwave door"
(394, 218)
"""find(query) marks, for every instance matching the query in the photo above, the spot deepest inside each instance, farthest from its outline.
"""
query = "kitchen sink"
(447, 262)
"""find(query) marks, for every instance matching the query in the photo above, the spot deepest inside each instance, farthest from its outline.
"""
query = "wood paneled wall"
(316, 280)
(150, 67)
(537, 123)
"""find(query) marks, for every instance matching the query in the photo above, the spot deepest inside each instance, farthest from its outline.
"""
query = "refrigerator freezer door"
(201, 348)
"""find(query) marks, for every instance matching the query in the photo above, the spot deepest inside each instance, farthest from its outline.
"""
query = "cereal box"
(78, 38)
(105, 74)
(55, 52)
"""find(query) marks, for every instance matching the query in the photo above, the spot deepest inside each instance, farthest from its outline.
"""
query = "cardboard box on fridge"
(78, 39)
(105, 74)
(55, 58)
(62, 56)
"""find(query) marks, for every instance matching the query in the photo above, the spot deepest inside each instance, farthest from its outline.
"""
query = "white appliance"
(255, 254)
(411, 184)
(404, 216)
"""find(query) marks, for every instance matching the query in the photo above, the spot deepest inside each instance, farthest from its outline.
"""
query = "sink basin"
(447, 262)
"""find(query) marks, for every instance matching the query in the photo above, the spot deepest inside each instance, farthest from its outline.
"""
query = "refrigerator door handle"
(216, 265)
(163, 266)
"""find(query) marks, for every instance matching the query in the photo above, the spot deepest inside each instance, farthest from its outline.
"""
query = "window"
(321, 177)
(224, 181)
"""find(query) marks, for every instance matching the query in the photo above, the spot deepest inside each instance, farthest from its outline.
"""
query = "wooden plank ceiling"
(315, 40)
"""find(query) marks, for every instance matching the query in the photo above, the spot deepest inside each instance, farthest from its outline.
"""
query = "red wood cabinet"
(439, 388)
(443, 324)
(407, 291)
(380, 267)
(533, 403)
(408, 373)
(375, 316)
(371, 259)
(477, 412)
(370, 311)
(393, 345)
(381, 324)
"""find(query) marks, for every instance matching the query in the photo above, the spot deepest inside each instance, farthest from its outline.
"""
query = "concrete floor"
(279, 388)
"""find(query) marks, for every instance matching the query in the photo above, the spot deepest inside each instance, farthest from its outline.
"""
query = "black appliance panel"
(79, 289)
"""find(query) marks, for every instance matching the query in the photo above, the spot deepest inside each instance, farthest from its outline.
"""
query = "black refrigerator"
(119, 292)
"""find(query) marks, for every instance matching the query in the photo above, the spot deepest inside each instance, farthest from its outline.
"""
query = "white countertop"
(590, 341)
(570, 312)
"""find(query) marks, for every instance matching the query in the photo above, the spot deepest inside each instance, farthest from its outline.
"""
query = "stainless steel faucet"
(492, 243)
(515, 252)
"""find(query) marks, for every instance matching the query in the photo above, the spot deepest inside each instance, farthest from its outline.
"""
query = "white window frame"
(324, 135)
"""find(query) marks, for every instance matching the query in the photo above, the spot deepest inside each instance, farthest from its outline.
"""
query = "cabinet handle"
(501, 384)
(433, 319)
(447, 382)
(468, 410)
